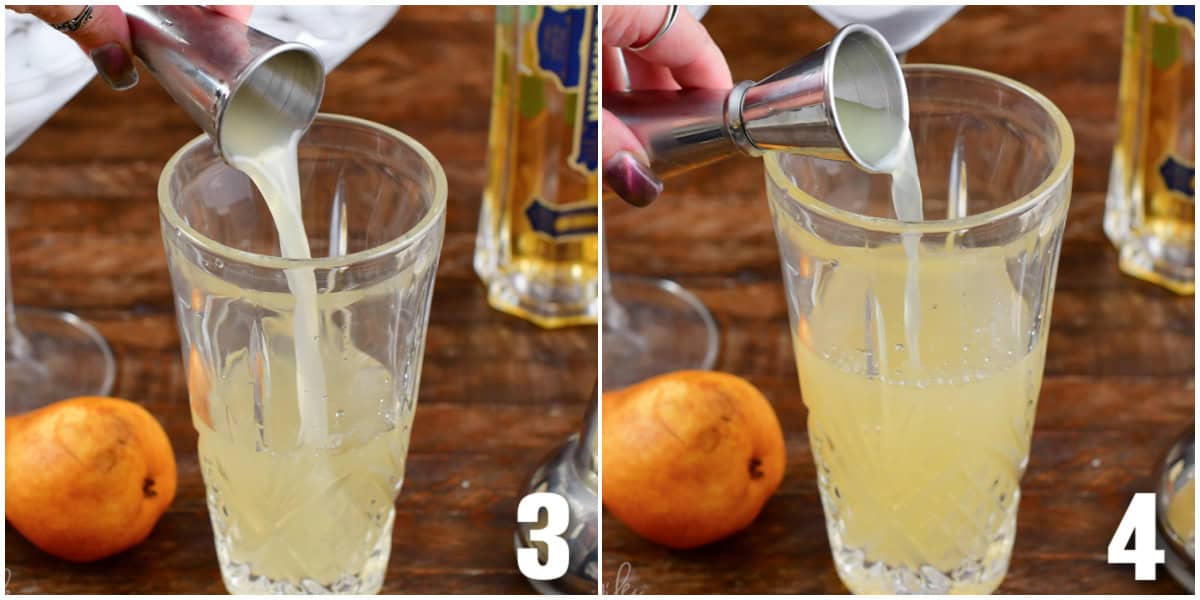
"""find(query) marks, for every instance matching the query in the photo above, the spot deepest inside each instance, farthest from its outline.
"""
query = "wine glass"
(49, 354)
(652, 325)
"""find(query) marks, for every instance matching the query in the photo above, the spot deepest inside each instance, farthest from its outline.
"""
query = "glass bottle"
(536, 249)
(1150, 211)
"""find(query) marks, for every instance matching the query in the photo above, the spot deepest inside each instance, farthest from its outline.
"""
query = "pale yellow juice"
(303, 449)
(919, 346)
(918, 459)
(289, 516)
(920, 365)
(270, 158)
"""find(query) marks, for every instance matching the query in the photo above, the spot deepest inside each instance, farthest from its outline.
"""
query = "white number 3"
(557, 516)
(1138, 523)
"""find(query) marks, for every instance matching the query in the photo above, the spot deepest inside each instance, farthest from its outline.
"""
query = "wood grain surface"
(497, 393)
(1119, 385)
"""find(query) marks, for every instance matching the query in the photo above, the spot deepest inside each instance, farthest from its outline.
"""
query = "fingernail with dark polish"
(115, 66)
(631, 180)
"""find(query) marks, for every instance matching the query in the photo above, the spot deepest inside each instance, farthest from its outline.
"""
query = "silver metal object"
(571, 472)
(78, 21)
(668, 21)
(802, 108)
(213, 65)
(1177, 468)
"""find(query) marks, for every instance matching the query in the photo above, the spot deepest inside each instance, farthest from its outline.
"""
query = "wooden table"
(1120, 366)
(497, 393)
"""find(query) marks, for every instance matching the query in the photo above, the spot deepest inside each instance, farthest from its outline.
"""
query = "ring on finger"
(672, 12)
(76, 23)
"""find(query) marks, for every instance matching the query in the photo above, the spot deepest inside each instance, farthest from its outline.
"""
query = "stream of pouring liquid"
(869, 131)
(271, 161)
(908, 203)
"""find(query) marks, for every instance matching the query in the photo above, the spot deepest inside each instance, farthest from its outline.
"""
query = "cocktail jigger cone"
(570, 471)
(845, 101)
(213, 65)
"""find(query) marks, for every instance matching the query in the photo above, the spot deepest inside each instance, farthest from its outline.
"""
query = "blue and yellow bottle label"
(1170, 35)
(560, 222)
(1178, 176)
(564, 57)
(567, 54)
(1186, 12)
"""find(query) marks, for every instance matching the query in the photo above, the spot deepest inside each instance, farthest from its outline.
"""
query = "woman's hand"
(684, 57)
(103, 33)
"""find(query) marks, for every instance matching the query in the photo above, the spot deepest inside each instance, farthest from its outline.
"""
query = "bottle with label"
(1151, 206)
(536, 249)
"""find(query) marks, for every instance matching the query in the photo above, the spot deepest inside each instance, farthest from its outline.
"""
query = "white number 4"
(1138, 523)
(558, 515)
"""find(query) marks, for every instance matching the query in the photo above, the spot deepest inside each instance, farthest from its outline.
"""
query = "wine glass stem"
(585, 452)
(15, 344)
(614, 314)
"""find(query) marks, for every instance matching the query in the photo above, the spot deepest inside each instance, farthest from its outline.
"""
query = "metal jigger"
(571, 472)
(213, 66)
(799, 109)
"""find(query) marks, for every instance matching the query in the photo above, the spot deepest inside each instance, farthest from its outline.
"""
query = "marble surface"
(903, 26)
(335, 31)
(43, 69)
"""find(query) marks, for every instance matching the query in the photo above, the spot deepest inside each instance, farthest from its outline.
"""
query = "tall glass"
(293, 511)
(921, 375)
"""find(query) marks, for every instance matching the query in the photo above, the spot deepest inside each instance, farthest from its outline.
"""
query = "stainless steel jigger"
(213, 66)
(803, 108)
(571, 471)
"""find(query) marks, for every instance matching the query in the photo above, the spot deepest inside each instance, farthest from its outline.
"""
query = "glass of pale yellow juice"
(303, 437)
(920, 343)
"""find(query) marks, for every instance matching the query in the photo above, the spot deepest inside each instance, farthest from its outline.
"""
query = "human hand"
(103, 33)
(685, 57)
